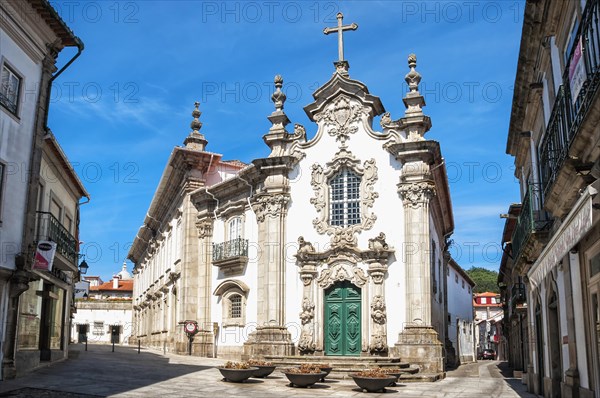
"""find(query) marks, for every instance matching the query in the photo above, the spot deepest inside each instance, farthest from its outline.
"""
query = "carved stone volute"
(270, 205)
(416, 194)
(205, 228)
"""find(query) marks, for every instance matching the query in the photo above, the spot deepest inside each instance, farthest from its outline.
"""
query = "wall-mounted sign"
(190, 327)
(577, 73)
(44, 255)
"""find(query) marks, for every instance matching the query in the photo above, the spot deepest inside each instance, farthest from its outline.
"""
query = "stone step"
(332, 359)
(421, 377)
(346, 365)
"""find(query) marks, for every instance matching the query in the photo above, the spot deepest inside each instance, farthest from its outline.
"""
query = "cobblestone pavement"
(125, 373)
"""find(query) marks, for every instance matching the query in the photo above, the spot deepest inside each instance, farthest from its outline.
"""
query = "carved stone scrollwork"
(308, 311)
(342, 118)
(306, 344)
(378, 243)
(342, 237)
(341, 272)
(378, 310)
(205, 228)
(299, 132)
(304, 249)
(415, 194)
(271, 205)
(306, 279)
(378, 344)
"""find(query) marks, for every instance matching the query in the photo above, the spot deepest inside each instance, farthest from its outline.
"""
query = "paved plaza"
(125, 373)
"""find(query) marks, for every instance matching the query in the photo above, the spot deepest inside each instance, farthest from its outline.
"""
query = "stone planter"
(237, 375)
(373, 384)
(396, 375)
(304, 379)
(263, 370)
(326, 370)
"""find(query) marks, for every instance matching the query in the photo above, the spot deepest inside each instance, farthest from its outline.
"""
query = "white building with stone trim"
(332, 245)
(461, 326)
(104, 314)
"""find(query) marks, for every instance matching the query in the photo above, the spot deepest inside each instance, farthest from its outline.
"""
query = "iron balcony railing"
(234, 248)
(568, 112)
(532, 218)
(49, 228)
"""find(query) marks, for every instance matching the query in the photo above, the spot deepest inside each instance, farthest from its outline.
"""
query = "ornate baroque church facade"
(333, 245)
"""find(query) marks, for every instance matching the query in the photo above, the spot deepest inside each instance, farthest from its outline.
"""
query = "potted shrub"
(264, 368)
(304, 376)
(325, 367)
(396, 372)
(373, 380)
(237, 372)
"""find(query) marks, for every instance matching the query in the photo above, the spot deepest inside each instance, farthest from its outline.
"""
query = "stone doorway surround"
(366, 269)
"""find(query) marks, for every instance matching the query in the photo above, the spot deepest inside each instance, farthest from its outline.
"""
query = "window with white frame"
(234, 228)
(10, 88)
(344, 199)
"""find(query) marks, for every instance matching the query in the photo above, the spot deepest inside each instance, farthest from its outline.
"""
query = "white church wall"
(235, 336)
(387, 207)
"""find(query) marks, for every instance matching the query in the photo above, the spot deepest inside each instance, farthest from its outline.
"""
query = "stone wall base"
(203, 345)
(551, 387)
(268, 340)
(230, 352)
(420, 346)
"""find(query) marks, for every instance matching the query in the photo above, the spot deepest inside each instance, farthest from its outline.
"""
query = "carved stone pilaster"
(270, 205)
(308, 273)
(306, 344)
(377, 271)
(416, 194)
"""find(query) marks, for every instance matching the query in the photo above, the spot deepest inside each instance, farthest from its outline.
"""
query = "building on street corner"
(555, 244)
(298, 253)
(34, 327)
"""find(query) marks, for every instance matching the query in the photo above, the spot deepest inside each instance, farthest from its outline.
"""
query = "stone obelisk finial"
(277, 135)
(416, 122)
(195, 140)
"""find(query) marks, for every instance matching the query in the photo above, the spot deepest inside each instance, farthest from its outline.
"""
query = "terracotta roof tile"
(124, 286)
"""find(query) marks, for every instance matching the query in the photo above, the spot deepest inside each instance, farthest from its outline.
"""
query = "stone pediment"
(341, 85)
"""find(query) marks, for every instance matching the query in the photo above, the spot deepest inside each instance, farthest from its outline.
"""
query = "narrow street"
(125, 373)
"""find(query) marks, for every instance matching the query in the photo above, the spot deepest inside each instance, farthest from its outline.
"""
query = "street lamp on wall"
(83, 267)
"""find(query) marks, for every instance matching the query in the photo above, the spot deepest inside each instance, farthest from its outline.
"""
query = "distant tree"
(485, 280)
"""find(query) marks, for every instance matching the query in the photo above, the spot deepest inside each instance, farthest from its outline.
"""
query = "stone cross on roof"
(340, 29)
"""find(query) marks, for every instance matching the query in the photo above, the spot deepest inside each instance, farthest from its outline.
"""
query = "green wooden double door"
(342, 319)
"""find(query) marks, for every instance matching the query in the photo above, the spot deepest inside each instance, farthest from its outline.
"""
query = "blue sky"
(125, 103)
